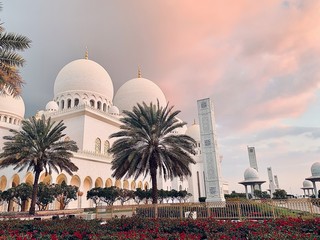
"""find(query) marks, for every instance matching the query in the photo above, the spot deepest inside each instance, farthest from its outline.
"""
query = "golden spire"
(139, 72)
(194, 121)
(86, 55)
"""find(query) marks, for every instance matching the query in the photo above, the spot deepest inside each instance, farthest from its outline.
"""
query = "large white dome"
(194, 132)
(250, 174)
(13, 106)
(138, 90)
(84, 75)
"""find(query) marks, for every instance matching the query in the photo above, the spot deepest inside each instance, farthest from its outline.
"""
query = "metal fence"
(232, 209)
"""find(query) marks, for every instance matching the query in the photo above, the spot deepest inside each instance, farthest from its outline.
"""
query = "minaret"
(271, 181)
(252, 158)
(276, 181)
(210, 153)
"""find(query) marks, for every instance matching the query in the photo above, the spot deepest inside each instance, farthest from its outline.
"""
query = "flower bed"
(138, 228)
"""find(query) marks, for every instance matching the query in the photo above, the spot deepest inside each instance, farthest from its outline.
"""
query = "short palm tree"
(10, 80)
(146, 145)
(38, 147)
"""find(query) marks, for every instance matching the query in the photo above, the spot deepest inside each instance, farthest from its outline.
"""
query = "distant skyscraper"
(276, 182)
(210, 153)
(271, 181)
(252, 158)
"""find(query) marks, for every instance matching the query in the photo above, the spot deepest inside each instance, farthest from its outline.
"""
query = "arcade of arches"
(84, 184)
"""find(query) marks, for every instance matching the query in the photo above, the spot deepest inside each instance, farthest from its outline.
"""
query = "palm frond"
(12, 41)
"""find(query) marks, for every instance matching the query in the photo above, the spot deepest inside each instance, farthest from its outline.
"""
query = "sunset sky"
(258, 60)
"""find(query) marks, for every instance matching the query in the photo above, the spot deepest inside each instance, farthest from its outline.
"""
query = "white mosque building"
(84, 99)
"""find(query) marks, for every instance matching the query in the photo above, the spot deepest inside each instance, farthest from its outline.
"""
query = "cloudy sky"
(258, 60)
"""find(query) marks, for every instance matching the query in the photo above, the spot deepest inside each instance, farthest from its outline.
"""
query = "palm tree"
(146, 145)
(38, 147)
(10, 80)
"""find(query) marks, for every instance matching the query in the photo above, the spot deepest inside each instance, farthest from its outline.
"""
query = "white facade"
(83, 99)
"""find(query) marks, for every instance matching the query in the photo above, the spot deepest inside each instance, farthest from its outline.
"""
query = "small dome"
(52, 106)
(315, 169)
(39, 114)
(86, 76)
(12, 105)
(194, 132)
(181, 130)
(307, 184)
(250, 174)
(138, 90)
(113, 110)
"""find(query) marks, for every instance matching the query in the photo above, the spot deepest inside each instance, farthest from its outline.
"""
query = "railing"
(233, 210)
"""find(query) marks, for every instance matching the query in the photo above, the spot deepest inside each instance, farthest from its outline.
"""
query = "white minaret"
(210, 154)
(271, 181)
(252, 158)
(276, 181)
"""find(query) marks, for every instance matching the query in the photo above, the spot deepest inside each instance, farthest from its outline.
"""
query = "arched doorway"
(98, 182)
(108, 183)
(126, 184)
(46, 179)
(87, 185)
(133, 185)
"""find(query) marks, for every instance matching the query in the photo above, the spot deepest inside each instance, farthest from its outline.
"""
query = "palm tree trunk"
(32, 209)
(153, 173)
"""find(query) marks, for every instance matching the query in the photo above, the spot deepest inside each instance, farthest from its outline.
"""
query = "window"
(76, 102)
(104, 107)
(106, 147)
(62, 104)
(99, 105)
(69, 103)
(92, 103)
(98, 146)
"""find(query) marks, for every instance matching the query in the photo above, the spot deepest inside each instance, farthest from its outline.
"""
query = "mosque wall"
(96, 131)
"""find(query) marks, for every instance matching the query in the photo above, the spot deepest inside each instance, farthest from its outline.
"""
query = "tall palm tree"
(10, 80)
(38, 147)
(146, 145)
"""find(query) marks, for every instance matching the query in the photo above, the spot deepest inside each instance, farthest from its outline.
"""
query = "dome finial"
(86, 55)
(194, 121)
(139, 72)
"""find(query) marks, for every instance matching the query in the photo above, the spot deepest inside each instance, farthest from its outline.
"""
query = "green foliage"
(259, 194)
(139, 195)
(38, 147)
(94, 195)
(10, 81)
(109, 195)
(22, 193)
(65, 194)
(146, 145)
(19, 194)
(45, 196)
(124, 195)
(280, 194)
(234, 194)
(162, 195)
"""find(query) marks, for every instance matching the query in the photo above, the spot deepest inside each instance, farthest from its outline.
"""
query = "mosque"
(84, 99)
